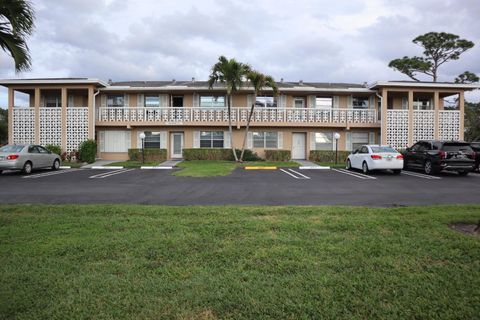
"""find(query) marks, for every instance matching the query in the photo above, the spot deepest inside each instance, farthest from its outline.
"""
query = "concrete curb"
(65, 167)
(260, 168)
(157, 168)
(107, 167)
(314, 168)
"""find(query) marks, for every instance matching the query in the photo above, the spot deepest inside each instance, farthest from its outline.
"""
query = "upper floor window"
(212, 102)
(323, 102)
(360, 103)
(115, 100)
(298, 102)
(152, 101)
(422, 104)
(53, 101)
(211, 139)
(266, 140)
(266, 102)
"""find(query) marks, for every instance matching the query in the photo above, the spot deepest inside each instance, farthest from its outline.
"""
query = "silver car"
(27, 157)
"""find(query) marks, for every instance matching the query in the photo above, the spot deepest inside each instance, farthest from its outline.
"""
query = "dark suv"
(434, 156)
(476, 147)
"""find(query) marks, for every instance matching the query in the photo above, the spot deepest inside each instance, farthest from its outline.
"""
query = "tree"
(467, 77)
(472, 121)
(231, 73)
(259, 82)
(16, 23)
(439, 48)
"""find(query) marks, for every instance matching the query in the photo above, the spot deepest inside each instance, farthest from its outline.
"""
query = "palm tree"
(259, 82)
(16, 23)
(231, 73)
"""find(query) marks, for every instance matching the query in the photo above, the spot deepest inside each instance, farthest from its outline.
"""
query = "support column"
(436, 107)
(64, 119)
(410, 118)
(36, 105)
(383, 114)
(461, 108)
(91, 114)
(11, 99)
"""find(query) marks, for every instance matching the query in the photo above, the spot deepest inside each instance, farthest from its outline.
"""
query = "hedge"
(54, 148)
(278, 155)
(327, 156)
(218, 154)
(150, 154)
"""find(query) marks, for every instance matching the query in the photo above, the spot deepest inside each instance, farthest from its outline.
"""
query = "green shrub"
(87, 151)
(327, 156)
(278, 155)
(248, 155)
(54, 148)
(207, 154)
(151, 155)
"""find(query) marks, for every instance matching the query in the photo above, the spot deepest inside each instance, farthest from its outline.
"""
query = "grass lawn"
(154, 262)
(133, 164)
(332, 164)
(211, 168)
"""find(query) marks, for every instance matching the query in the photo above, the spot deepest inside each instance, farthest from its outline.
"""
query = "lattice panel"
(77, 127)
(23, 125)
(449, 125)
(397, 128)
(51, 126)
(423, 125)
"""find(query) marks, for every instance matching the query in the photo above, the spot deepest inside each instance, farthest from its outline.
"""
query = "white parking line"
(295, 174)
(47, 174)
(420, 175)
(355, 174)
(111, 173)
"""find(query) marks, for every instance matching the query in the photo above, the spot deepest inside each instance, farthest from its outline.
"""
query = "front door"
(176, 145)
(298, 146)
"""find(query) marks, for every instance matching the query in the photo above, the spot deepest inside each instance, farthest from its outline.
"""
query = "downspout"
(95, 113)
(381, 116)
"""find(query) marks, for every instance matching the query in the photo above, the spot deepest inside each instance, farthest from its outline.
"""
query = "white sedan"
(375, 157)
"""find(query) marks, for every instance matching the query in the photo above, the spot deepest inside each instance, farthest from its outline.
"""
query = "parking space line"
(295, 174)
(110, 173)
(355, 174)
(47, 174)
(300, 174)
(420, 175)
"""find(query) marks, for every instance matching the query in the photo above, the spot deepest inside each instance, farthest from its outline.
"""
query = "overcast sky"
(312, 40)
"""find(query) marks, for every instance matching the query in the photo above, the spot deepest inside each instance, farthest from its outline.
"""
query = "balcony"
(219, 116)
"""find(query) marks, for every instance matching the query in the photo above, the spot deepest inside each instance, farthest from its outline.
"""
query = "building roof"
(35, 81)
(424, 84)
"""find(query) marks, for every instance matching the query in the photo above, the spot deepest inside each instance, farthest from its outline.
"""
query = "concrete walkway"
(169, 163)
(98, 163)
(305, 164)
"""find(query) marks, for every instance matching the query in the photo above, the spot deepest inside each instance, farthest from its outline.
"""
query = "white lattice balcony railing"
(183, 115)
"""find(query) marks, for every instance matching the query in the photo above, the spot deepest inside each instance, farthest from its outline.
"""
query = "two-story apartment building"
(188, 114)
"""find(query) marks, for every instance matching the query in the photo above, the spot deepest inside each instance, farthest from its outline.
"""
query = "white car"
(375, 157)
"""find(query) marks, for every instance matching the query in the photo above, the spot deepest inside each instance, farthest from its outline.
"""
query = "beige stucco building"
(188, 114)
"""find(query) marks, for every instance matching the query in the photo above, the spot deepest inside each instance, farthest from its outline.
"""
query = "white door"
(298, 146)
(176, 145)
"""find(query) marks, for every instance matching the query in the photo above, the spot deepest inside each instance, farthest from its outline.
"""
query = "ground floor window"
(211, 139)
(152, 140)
(116, 141)
(323, 140)
(266, 140)
(359, 139)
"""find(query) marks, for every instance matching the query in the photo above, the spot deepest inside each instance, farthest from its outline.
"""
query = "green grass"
(73, 164)
(212, 168)
(153, 262)
(332, 164)
(133, 164)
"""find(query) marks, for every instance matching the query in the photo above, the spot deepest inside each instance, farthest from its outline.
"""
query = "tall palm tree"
(231, 73)
(16, 23)
(259, 82)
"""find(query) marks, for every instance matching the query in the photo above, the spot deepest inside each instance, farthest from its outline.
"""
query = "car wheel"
(463, 173)
(365, 168)
(397, 171)
(27, 168)
(349, 165)
(427, 167)
(56, 165)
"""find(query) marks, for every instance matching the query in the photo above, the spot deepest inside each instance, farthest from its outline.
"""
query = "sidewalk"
(98, 163)
(169, 163)
(305, 164)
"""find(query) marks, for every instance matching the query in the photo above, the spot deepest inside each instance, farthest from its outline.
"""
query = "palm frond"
(17, 48)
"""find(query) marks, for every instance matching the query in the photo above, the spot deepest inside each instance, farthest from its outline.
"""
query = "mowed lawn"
(154, 262)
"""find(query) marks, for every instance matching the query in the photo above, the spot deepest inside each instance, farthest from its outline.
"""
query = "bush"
(87, 151)
(278, 155)
(327, 156)
(151, 155)
(248, 155)
(54, 148)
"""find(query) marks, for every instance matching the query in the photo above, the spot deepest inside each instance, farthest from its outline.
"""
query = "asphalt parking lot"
(244, 187)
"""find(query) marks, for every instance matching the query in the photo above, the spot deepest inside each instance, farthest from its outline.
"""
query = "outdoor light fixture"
(336, 136)
(142, 136)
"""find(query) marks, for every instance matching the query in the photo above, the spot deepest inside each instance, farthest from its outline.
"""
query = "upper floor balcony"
(334, 117)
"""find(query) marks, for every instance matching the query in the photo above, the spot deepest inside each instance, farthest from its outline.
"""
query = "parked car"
(434, 156)
(476, 147)
(375, 157)
(27, 157)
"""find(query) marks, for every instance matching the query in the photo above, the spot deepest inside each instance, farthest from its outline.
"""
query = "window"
(323, 103)
(12, 148)
(211, 139)
(152, 101)
(359, 139)
(116, 141)
(360, 103)
(422, 104)
(115, 100)
(152, 140)
(53, 101)
(266, 140)
(383, 149)
(323, 140)
(212, 102)
(266, 102)
(299, 103)
(363, 150)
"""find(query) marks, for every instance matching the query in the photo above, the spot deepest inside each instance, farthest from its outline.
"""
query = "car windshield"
(11, 148)
(449, 147)
(383, 149)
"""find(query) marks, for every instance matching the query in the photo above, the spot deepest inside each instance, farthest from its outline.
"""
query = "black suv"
(476, 147)
(434, 156)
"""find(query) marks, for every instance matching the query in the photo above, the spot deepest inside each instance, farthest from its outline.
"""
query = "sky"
(311, 40)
